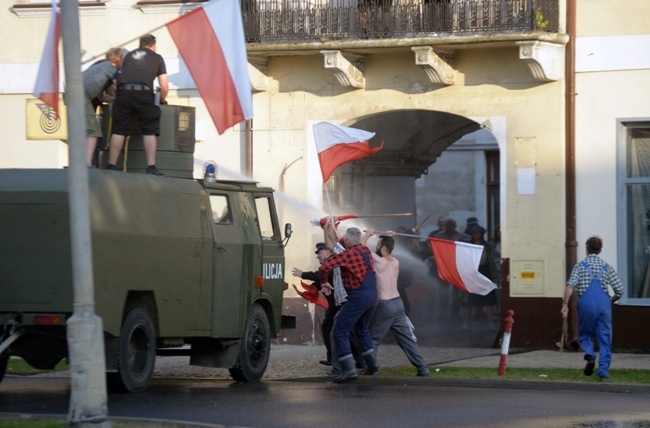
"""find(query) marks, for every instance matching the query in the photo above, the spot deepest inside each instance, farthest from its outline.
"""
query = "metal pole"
(505, 346)
(571, 243)
(88, 402)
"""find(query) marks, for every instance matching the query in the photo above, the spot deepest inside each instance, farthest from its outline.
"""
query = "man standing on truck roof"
(136, 99)
(359, 280)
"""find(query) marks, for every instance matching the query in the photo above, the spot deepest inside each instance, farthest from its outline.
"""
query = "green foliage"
(628, 376)
(18, 366)
(540, 22)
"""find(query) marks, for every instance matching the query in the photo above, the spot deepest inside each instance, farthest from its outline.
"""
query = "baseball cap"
(472, 220)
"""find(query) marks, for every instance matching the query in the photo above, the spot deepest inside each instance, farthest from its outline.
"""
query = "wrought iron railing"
(275, 21)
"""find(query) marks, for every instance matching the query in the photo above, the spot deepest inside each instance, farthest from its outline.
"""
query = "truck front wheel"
(136, 353)
(255, 347)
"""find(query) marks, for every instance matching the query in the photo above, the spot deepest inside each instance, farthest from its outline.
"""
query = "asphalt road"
(374, 402)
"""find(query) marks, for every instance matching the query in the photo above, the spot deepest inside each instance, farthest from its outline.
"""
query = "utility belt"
(134, 87)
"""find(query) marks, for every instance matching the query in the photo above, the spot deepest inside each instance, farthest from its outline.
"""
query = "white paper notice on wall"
(526, 181)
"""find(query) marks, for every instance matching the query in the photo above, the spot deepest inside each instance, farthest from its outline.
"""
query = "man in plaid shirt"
(591, 280)
(358, 276)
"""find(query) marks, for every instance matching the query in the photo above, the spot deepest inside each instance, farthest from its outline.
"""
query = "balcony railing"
(276, 21)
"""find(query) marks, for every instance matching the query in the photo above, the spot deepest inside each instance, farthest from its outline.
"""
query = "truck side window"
(264, 217)
(221, 213)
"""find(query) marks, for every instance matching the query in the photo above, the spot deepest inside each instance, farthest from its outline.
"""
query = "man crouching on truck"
(359, 280)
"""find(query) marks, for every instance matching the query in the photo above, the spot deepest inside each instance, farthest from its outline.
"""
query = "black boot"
(348, 370)
(372, 368)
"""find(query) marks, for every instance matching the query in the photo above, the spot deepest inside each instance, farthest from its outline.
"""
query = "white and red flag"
(458, 264)
(211, 41)
(337, 145)
(47, 79)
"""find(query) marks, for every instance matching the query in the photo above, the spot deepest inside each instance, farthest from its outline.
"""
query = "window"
(264, 216)
(493, 193)
(634, 232)
(221, 212)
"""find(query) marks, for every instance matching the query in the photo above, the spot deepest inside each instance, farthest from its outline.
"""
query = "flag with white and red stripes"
(458, 264)
(47, 79)
(211, 41)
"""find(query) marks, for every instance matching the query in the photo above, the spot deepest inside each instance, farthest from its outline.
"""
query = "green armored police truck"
(181, 267)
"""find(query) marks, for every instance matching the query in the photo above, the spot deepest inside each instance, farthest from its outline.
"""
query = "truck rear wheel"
(255, 347)
(136, 353)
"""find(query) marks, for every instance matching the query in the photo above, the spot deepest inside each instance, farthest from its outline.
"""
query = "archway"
(433, 164)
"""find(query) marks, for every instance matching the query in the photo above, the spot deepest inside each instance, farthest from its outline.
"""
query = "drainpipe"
(571, 243)
(249, 148)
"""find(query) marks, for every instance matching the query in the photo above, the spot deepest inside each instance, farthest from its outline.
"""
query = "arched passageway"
(432, 164)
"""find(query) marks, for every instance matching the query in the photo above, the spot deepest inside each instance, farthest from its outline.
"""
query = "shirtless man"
(389, 311)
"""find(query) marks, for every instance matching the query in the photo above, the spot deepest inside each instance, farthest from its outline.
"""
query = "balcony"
(307, 21)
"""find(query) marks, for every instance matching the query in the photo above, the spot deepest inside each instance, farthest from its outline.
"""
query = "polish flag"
(337, 145)
(47, 79)
(458, 264)
(211, 41)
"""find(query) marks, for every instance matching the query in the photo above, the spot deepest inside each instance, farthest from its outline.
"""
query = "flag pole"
(329, 205)
(377, 232)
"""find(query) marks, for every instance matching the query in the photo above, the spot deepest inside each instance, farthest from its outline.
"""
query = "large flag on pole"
(458, 264)
(337, 145)
(211, 41)
(47, 79)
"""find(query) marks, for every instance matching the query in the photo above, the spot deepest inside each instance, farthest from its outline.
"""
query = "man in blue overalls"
(592, 279)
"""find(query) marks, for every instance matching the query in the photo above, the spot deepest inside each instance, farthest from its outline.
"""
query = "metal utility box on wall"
(175, 149)
(527, 278)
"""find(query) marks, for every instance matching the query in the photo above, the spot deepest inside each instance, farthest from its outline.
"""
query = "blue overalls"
(355, 314)
(595, 319)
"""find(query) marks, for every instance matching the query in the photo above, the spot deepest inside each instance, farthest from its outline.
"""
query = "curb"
(609, 387)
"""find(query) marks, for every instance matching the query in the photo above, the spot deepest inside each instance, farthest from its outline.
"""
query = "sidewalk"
(291, 362)
(298, 361)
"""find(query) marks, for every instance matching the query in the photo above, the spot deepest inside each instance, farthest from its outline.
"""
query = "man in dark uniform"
(136, 99)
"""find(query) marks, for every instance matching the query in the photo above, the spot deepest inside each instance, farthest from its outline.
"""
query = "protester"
(99, 86)
(591, 280)
(322, 253)
(340, 295)
(470, 225)
(442, 221)
(389, 311)
(136, 99)
(359, 280)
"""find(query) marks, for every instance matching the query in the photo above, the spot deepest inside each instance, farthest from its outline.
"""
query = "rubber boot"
(372, 367)
(348, 371)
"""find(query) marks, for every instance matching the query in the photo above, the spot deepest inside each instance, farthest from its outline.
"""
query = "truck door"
(228, 253)
(273, 253)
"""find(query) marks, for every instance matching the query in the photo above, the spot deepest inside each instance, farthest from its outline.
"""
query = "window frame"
(624, 127)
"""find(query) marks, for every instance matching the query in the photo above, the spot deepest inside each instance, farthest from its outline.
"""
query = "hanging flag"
(47, 79)
(211, 41)
(458, 264)
(312, 295)
(337, 145)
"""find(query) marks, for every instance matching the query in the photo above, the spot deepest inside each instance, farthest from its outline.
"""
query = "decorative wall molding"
(347, 68)
(433, 63)
(544, 59)
(168, 6)
(40, 10)
(257, 73)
